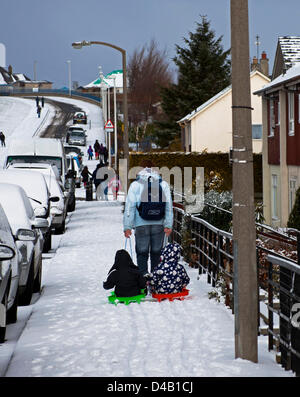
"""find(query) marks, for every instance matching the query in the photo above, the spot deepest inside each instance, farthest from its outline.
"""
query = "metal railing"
(212, 250)
(9, 91)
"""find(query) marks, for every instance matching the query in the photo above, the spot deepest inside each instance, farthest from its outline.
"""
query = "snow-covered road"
(72, 331)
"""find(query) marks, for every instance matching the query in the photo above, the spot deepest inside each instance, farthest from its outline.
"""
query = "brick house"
(281, 144)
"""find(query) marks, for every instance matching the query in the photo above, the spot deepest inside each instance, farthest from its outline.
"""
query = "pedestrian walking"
(105, 154)
(39, 111)
(43, 101)
(169, 276)
(85, 173)
(97, 180)
(115, 185)
(37, 100)
(101, 152)
(96, 149)
(2, 138)
(90, 152)
(148, 210)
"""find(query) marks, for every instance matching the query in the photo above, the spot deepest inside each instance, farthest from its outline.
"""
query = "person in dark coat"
(38, 110)
(125, 276)
(105, 154)
(85, 173)
(96, 179)
(169, 276)
(96, 149)
(2, 138)
(43, 101)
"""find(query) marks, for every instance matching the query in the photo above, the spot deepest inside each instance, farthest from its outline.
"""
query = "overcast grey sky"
(43, 30)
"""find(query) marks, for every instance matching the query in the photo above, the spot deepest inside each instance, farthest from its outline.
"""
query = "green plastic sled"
(126, 299)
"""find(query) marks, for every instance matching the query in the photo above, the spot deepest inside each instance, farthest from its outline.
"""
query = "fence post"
(270, 304)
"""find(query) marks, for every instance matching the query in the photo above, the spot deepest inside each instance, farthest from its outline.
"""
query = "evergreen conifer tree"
(294, 218)
(203, 71)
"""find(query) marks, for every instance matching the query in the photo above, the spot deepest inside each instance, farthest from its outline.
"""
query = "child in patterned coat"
(169, 276)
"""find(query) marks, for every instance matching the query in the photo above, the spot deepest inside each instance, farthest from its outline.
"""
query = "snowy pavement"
(72, 331)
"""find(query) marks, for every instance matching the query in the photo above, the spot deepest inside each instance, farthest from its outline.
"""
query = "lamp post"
(79, 45)
(115, 122)
(69, 72)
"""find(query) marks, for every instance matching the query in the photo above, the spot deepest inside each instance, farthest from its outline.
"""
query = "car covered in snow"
(36, 188)
(9, 276)
(73, 150)
(58, 209)
(26, 229)
(80, 117)
(38, 150)
(75, 167)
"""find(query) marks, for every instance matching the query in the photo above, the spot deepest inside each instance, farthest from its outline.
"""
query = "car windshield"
(72, 149)
(77, 134)
(57, 161)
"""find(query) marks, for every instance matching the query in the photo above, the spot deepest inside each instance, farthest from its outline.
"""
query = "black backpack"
(153, 201)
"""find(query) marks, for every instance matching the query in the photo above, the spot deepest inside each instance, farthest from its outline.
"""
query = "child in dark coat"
(125, 276)
(169, 276)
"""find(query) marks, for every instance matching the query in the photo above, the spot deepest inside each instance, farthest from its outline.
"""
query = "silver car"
(9, 276)
(26, 229)
(76, 137)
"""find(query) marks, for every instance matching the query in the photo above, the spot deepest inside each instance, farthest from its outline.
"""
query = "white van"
(38, 150)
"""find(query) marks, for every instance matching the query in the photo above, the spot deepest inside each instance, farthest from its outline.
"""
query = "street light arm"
(108, 45)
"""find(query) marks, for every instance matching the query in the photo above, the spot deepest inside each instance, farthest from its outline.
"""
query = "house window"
(292, 193)
(256, 131)
(274, 198)
(291, 113)
(271, 118)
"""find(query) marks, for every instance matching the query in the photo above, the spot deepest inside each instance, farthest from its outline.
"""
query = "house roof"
(108, 80)
(216, 97)
(290, 48)
(10, 78)
(290, 75)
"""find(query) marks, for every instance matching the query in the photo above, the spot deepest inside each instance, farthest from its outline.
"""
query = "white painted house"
(209, 127)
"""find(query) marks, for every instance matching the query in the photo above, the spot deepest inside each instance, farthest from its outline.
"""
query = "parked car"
(76, 137)
(38, 150)
(73, 150)
(51, 170)
(36, 188)
(59, 208)
(26, 229)
(9, 276)
(80, 117)
(76, 167)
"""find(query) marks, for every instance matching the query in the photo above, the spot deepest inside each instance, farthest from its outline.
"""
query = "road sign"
(109, 127)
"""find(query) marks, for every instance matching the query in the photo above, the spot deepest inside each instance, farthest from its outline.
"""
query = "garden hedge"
(217, 162)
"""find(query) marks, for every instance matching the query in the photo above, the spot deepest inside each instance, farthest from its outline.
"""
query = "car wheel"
(71, 207)
(12, 312)
(61, 229)
(25, 297)
(48, 242)
(3, 329)
(38, 280)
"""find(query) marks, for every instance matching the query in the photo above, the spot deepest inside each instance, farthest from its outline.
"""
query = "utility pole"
(244, 233)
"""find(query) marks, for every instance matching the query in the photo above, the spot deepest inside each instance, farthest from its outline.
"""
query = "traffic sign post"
(109, 127)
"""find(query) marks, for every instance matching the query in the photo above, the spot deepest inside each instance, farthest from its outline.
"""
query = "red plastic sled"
(171, 297)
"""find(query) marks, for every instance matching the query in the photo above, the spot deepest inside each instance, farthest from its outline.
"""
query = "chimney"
(9, 69)
(254, 64)
(264, 64)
